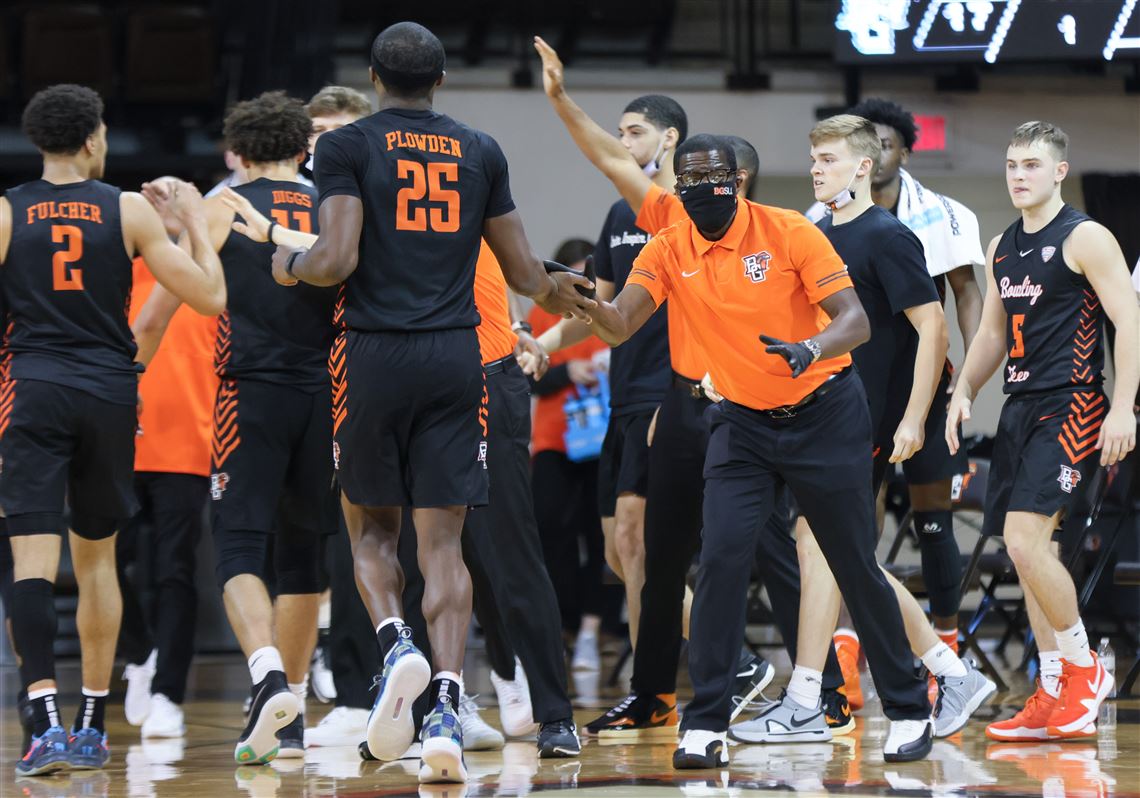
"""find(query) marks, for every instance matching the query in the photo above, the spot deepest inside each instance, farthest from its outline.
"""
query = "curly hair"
(60, 118)
(271, 127)
(893, 115)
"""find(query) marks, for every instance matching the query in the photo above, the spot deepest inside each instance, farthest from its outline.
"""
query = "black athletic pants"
(673, 523)
(503, 553)
(823, 455)
(172, 507)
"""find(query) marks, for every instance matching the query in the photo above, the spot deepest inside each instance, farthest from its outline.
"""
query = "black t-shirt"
(639, 368)
(67, 284)
(270, 332)
(427, 184)
(888, 267)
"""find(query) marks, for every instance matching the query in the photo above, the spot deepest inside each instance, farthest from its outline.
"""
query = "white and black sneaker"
(784, 721)
(753, 674)
(273, 708)
(909, 740)
(701, 750)
(558, 739)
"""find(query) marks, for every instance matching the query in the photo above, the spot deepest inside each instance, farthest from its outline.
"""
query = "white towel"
(947, 229)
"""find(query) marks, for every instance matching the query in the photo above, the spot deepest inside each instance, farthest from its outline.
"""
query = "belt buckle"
(787, 411)
(696, 391)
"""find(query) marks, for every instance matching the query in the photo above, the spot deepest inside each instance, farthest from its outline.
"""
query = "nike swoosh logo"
(1026, 252)
(801, 723)
(999, 260)
(656, 718)
(690, 274)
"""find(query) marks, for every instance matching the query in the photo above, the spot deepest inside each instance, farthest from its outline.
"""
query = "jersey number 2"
(1016, 323)
(443, 220)
(63, 276)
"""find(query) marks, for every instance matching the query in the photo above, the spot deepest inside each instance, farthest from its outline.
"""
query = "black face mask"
(709, 205)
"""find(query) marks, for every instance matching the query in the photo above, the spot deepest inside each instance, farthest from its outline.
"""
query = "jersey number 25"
(427, 182)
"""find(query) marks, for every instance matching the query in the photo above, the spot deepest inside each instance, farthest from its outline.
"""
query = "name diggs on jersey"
(425, 142)
(1021, 290)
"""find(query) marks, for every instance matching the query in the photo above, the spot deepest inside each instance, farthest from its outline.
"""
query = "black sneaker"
(291, 739)
(752, 676)
(273, 708)
(838, 711)
(558, 738)
(701, 750)
(638, 717)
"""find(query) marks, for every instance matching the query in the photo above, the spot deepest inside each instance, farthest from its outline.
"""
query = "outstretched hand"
(552, 82)
(797, 355)
(255, 226)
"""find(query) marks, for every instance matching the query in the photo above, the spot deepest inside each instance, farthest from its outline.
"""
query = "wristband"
(269, 232)
(522, 326)
(291, 260)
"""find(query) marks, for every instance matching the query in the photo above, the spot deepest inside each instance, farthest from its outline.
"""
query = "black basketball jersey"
(270, 332)
(427, 183)
(67, 283)
(1054, 321)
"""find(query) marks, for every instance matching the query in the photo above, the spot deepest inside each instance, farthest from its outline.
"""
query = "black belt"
(496, 366)
(693, 387)
(789, 411)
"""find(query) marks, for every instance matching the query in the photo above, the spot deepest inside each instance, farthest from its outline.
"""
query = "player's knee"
(237, 552)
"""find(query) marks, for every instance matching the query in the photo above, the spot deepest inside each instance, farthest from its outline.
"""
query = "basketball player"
(1052, 278)
(899, 368)
(406, 195)
(746, 275)
(70, 394)
(675, 471)
(269, 455)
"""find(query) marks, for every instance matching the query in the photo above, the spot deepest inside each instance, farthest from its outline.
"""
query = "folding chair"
(1128, 573)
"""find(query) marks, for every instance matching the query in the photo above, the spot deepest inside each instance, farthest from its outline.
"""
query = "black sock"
(444, 690)
(45, 712)
(388, 634)
(34, 625)
(91, 709)
(941, 560)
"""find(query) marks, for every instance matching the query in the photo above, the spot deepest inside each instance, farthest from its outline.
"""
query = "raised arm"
(196, 278)
(1094, 250)
(604, 151)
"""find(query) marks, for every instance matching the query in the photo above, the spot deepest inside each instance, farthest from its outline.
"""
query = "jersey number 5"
(64, 277)
(1015, 324)
(430, 183)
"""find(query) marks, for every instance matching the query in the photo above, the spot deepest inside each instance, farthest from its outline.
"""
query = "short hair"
(893, 115)
(573, 250)
(1046, 132)
(408, 58)
(60, 118)
(706, 142)
(333, 100)
(746, 156)
(662, 112)
(269, 128)
(858, 132)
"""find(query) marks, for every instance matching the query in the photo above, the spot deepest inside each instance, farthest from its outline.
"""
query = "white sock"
(941, 660)
(87, 691)
(1074, 645)
(301, 692)
(387, 621)
(1050, 672)
(324, 615)
(264, 660)
(455, 677)
(52, 707)
(843, 630)
(804, 686)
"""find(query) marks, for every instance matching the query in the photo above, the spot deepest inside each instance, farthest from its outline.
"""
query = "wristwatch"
(813, 347)
(523, 327)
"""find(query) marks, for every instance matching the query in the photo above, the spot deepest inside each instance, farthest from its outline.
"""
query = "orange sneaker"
(1082, 692)
(847, 650)
(1031, 723)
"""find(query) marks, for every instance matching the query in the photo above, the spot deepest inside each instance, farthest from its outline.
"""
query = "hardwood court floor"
(202, 763)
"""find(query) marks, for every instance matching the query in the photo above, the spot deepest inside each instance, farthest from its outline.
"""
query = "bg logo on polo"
(756, 266)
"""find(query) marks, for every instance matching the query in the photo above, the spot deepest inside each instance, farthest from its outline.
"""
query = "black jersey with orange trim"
(427, 183)
(67, 283)
(1055, 323)
(269, 332)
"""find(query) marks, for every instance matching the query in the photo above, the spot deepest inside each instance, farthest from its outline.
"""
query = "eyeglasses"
(690, 179)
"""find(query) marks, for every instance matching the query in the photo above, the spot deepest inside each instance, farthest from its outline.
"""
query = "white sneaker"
(515, 712)
(342, 726)
(586, 657)
(909, 740)
(138, 678)
(165, 718)
(321, 677)
(478, 735)
(701, 750)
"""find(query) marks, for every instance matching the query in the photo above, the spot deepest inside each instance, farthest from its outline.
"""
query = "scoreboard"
(986, 31)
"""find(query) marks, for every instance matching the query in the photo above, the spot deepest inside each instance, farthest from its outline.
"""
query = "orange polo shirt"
(177, 388)
(767, 275)
(659, 210)
(496, 339)
(548, 429)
